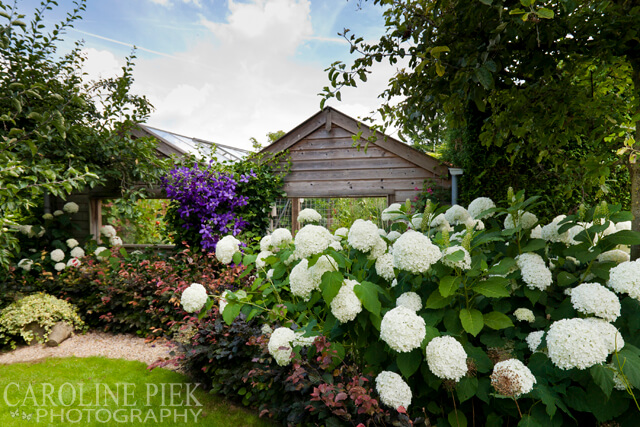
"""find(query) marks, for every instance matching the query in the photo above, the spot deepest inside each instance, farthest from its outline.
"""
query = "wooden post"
(95, 218)
(295, 210)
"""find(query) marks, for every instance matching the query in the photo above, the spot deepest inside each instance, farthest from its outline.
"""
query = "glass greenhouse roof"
(198, 146)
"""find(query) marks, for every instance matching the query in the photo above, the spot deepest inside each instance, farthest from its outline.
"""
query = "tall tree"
(554, 84)
(57, 131)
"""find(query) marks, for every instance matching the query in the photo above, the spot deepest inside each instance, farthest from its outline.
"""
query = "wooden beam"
(295, 210)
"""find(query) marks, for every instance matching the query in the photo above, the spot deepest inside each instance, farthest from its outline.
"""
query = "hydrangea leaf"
(449, 284)
(367, 293)
(231, 311)
(466, 388)
(237, 258)
(493, 287)
(409, 362)
(631, 366)
(457, 418)
(330, 285)
(436, 300)
(566, 279)
(503, 267)
(497, 320)
(622, 237)
(528, 421)
(472, 321)
(534, 245)
(603, 377)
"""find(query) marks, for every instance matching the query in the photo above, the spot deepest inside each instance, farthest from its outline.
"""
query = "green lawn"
(97, 391)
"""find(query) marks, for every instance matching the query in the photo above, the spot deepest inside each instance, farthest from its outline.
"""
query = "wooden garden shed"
(89, 216)
(326, 164)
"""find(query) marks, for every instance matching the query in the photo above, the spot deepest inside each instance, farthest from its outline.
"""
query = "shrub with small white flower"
(194, 298)
(455, 300)
(309, 215)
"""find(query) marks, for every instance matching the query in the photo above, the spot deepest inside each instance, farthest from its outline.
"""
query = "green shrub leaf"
(497, 320)
(493, 287)
(330, 285)
(436, 300)
(449, 285)
(367, 293)
(409, 362)
(472, 321)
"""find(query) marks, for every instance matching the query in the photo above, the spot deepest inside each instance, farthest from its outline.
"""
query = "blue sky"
(226, 70)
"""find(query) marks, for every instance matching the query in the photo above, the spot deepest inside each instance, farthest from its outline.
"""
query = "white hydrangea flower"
(456, 214)
(624, 278)
(311, 240)
(25, 264)
(341, 233)
(58, 213)
(593, 298)
(393, 235)
(70, 207)
(512, 378)
(474, 224)
(300, 281)
(524, 315)
(72, 243)
(60, 266)
(440, 223)
(115, 241)
(392, 213)
(309, 215)
(99, 249)
(222, 302)
(536, 232)
(393, 391)
(624, 225)
(572, 343)
(335, 246)
(265, 243)
(266, 329)
(279, 345)
(609, 334)
(394, 283)
(402, 329)
(26, 229)
(534, 339)
(525, 219)
(47, 216)
(193, 298)
(479, 205)
(414, 252)
(416, 222)
(363, 235)
(446, 358)
(302, 341)
(108, 231)
(260, 259)
(270, 273)
(280, 237)
(382, 232)
(74, 262)
(324, 264)
(57, 255)
(77, 252)
(614, 255)
(379, 249)
(411, 300)
(534, 271)
(346, 305)
(384, 267)
(226, 248)
(550, 232)
(463, 264)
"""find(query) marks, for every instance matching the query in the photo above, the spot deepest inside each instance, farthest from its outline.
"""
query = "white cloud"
(247, 81)
(100, 64)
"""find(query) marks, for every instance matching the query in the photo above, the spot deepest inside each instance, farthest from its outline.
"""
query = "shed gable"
(324, 162)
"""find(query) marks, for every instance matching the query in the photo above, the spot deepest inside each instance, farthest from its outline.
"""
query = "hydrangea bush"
(483, 315)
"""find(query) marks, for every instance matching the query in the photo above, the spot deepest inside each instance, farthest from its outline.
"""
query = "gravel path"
(121, 346)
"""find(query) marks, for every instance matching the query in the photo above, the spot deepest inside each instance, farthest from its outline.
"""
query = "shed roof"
(329, 117)
(170, 143)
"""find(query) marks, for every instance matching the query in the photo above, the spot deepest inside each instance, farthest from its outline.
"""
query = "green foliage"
(473, 301)
(59, 133)
(534, 95)
(41, 309)
(141, 222)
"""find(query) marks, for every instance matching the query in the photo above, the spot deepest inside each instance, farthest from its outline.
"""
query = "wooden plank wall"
(325, 164)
